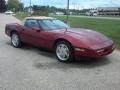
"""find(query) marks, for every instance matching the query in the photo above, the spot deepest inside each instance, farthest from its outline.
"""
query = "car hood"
(92, 38)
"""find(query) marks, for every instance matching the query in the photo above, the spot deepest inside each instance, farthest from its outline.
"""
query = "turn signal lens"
(80, 49)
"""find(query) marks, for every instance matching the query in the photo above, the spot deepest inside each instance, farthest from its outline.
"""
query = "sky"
(75, 4)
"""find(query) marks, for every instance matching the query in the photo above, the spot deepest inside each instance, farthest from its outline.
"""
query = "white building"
(109, 10)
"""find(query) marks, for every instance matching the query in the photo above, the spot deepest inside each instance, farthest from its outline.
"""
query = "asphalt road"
(30, 68)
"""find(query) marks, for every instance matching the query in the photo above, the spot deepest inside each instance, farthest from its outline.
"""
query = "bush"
(40, 13)
(22, 15)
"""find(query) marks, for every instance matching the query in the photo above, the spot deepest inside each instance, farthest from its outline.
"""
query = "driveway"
(30, 68)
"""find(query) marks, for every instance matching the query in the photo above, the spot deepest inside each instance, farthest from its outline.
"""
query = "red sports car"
(53, 34)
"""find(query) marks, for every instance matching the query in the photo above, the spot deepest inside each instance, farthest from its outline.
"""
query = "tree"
(21, 7)
(2, 6)
(13, 5)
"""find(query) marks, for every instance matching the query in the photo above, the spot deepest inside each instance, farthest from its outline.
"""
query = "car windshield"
(52, 24)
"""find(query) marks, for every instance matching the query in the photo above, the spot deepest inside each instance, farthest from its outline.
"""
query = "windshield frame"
(67, 26)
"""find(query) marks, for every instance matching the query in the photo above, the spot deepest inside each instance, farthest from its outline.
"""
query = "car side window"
(31, 23)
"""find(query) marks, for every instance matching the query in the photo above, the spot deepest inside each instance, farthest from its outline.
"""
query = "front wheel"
(64, 51)
(15, 40)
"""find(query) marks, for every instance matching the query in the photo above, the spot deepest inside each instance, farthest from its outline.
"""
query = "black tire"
(19, 41)
(71, 54)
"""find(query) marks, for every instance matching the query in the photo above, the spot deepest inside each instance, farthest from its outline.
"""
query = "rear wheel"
(64, 51)
(15, 40)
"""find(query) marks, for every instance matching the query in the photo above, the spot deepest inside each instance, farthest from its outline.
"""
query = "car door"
(31, 33)
(46, 39)
(46, 35)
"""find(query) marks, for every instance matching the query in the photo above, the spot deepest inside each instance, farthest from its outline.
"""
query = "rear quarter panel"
(12, 27)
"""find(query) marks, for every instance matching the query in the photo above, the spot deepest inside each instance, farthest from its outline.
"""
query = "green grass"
(110, 28)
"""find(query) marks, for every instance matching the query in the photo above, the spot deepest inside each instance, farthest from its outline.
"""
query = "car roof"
(39, 17)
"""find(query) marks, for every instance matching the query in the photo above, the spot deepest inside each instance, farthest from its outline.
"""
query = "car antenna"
(66, 29)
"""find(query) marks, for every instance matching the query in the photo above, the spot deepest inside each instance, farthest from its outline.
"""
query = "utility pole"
(20, 8)
(67, 17)
(20, 5)
(30, 8)
(119, 11)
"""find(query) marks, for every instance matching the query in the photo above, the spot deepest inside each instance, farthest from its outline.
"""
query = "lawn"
(110, 28)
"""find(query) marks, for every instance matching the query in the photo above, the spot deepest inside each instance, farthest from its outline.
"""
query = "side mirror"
(36, 29)
(68, 23)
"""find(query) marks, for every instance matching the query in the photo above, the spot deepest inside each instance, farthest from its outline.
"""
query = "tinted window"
(31, 23)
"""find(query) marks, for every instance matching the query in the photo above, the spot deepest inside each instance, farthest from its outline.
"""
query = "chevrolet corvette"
(54, 35)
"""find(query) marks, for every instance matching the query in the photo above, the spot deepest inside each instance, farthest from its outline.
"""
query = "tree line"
(16, 5)
(13, 5)
(52, 9)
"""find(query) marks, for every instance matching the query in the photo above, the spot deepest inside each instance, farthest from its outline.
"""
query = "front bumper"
(95, 53)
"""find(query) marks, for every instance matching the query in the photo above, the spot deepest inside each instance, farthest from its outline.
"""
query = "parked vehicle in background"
(92, 13)
(52, 34)
(9, 12)
(59, 13)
